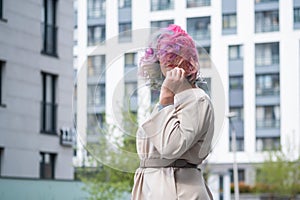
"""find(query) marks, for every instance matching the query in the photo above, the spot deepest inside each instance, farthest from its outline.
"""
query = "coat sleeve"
(176, 128)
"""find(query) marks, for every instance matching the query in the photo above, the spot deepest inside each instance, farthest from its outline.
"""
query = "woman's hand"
(174, 83)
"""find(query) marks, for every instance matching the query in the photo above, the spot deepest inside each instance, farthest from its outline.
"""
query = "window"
(47, 165)
(267, 143)
(49, 106)
(241, 175)
(266, 21)
(296, 15)
(199, 28)
(96, 34)
(124, 3)
(96, 8)
(204, 59)
(162, 5)
(1, 81)
(131, 96)
(229, 21)
(96, 65)
(236, 82)
(268, 117)
(155, 25)
(237, 123)
(235, 52)
(1, 158)
(96, 95)
(49, 28)
(131, 59)
(125, 32)
(267, 54)
(197, 3)
(1, 9)
(267, 84)
(95, 122)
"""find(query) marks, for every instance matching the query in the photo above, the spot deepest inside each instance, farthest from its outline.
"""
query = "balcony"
(66, 137)
(49, 35)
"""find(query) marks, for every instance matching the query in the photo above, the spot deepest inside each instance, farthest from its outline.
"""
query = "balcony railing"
(96, 13)
(49, 35)
(48, 117)
(162, 5)
(265, 1)
(266, 28)
(200, 35)
(197, 3)
(267, 123)
(267, 91)
(265, 61)
(66, 137)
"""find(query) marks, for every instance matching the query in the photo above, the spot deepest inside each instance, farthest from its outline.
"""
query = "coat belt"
(159, 163)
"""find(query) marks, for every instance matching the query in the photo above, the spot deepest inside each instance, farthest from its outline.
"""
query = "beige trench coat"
(180, 131)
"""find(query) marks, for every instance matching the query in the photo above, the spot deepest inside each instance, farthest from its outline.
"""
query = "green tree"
(112, 179)
(279, 176)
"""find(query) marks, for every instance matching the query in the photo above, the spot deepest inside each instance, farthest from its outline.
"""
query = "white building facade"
(36, 78)
(253, 45)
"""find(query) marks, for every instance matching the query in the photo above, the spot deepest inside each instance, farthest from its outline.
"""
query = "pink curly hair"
(172, 47)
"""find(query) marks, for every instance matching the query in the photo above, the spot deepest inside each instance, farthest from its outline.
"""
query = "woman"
(177, 136)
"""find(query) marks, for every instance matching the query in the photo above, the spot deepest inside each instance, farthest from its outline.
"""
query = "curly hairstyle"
(170, 47)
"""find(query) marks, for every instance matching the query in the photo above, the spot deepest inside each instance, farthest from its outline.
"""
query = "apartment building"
(248, 50)
(36, 77)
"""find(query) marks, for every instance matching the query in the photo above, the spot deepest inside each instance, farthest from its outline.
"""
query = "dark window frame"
(126, 34)
(240, 52)
(296, 17)
(197, 3)
(230, 25)
(263, 16)
(92, 40)
(50, 29)
(1, 9)
(127, 4)
(1, 83)
(52, 105)
(261, 59)
(43, 165)
(1, 158)
(240, 81)
(162, 5)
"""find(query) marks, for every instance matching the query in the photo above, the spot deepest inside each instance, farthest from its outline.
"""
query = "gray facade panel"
(236, 98)
(267, 100)
(268, 132)
(267, 69)
(124, 15)
(236, 67)
(266, 6)
(296, 3)
(228, 6)
(98, 21)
